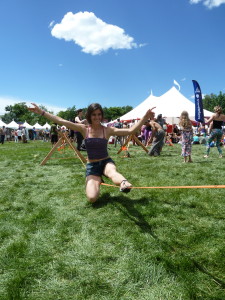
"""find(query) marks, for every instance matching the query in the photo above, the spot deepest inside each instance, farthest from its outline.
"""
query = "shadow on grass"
(127, 207)
(183, 266)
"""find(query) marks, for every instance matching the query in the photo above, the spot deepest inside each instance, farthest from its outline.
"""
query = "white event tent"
(170, 105)
(37, 126)
(46, 125)
(27, 125)
(13, 125)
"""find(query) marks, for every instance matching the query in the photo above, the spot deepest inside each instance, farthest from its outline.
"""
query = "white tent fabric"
(27, 125)
(37, 126)
(141, 109)
(13, 125)
(170, 105)
(2, 123)
(46, 125)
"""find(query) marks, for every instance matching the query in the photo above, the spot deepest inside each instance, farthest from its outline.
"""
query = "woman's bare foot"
(125, 186)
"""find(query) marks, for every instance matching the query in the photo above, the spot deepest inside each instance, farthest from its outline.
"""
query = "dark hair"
(79, 110)
(92, 107)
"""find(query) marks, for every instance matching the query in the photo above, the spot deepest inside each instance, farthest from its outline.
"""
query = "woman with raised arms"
(96, 141)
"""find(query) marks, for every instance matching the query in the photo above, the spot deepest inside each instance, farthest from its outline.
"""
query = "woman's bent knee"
(92, 199)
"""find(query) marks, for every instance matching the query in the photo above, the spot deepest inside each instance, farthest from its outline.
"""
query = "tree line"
(19, 113)
(212, 100)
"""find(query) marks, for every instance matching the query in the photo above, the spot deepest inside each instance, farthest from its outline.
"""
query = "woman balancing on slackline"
(96, 140)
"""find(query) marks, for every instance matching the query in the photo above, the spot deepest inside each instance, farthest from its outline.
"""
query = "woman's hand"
(149, 114)
(36, 109)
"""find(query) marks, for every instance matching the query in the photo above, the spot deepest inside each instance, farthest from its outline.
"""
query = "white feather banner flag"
(176, 83)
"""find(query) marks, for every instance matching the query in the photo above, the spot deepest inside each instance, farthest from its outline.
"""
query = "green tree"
(112, 113)
(212, 100)
(19, 113)
(69, 114)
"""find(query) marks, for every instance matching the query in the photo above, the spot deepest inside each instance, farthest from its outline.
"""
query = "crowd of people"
(23, 134)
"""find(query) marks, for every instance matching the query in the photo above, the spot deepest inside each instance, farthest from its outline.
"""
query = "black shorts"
(97, 168)
(54, 138)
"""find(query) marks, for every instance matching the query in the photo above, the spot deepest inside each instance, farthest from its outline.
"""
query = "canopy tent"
(141, 109)
(170, 105)
(2, 123)
(27, 125)
(46, 125)
(13, 125)
(37, 126)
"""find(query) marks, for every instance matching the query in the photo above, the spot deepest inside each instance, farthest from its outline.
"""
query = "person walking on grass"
(215, 122)
(186, 136)
(96, 141)
(79, 120)
(2, 134)
(54, 134)
(157, 138)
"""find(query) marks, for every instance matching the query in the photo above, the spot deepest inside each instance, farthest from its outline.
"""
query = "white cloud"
(5, 101)
(92, 34)
(209, 3)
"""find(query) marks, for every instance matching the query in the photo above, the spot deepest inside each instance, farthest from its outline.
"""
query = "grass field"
(153, 244)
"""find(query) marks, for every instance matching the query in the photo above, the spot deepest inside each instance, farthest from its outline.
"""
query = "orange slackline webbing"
(173, 187)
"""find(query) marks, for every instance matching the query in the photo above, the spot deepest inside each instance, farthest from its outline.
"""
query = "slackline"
(172, 187)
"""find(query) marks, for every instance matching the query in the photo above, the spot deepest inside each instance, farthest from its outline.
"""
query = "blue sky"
(61, 53)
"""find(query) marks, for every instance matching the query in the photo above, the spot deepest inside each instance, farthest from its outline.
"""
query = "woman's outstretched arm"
(127, 131)
(77, 127)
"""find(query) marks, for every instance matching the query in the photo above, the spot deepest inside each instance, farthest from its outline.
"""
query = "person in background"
(196, 139)
(160, 120)
(157, 138)
(34, 133)
(79, 120)
(147, 132)
(24, 137)
(54, 134)
(2, 134)
(215, 124)
(46, 134)
(19, 134)
(96, 140)
(143, 133)
(15, 136)
(202, 129)
(186, 136)
(118, 139)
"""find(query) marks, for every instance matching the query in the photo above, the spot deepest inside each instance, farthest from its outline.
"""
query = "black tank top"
(217, 124)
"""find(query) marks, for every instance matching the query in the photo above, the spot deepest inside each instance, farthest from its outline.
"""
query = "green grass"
(153, 244)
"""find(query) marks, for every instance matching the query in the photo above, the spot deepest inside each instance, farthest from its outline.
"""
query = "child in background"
(186, 136)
